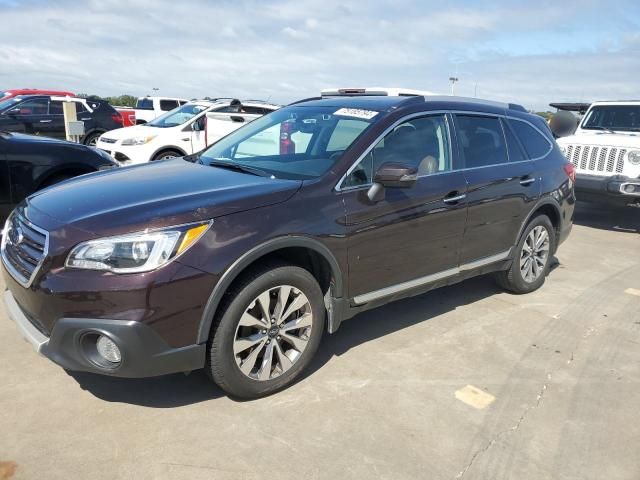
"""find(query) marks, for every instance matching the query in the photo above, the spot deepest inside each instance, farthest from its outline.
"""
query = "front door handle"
(527, 180)
(454, 197)
(185, 139)
(45, 121)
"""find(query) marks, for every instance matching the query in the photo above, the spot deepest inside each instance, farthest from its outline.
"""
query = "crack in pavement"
(507, 431)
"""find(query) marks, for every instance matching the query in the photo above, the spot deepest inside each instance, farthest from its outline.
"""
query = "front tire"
(166, 155)
(92, 139)
(531, 258)
(268, 332)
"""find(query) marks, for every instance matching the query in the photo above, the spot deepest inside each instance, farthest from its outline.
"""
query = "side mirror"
(391, 175)
(195, 126)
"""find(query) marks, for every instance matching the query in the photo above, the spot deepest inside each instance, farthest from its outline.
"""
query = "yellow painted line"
(633, 291)
(475, 397)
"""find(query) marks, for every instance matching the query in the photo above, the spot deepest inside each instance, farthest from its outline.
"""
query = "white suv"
(182, 131)
(605, 150)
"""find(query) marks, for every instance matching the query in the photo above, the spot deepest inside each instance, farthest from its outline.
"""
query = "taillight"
(116, 117)
(570, 170)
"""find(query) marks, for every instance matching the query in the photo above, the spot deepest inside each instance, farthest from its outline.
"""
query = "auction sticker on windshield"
(356, 113)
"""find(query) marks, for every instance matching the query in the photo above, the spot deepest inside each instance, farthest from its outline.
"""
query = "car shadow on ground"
(180, 390)
(605, 217)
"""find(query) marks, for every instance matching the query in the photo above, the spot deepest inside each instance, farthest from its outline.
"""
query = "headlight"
(137, 140)
(563, 149)
(634, 157)
(136, 252)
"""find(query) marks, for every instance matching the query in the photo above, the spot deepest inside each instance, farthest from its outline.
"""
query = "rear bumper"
(612, 190)
(144, 352)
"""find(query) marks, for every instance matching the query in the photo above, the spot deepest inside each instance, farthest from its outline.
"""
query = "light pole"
(453, 81)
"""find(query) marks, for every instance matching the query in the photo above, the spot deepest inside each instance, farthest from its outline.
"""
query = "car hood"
(134, 131)
(153, 195)
(621, 140)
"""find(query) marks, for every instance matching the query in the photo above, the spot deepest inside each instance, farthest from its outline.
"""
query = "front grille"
(24, 248)
(596, 159)
(107, 140)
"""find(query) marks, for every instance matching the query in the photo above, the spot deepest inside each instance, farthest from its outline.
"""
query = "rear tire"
(531, 257)
(268, 331)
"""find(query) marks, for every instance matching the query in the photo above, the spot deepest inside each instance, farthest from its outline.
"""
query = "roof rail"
(452, 98)
(307, 100)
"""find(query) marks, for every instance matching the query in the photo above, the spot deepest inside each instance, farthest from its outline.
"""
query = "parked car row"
(43, 115)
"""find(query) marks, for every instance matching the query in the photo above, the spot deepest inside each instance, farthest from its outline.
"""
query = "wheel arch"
(167, 148)
(301, 251)
(73, 170)
(551, 209)
(91, 132)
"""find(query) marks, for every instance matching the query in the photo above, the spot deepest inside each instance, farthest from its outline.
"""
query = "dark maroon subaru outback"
(237, 259)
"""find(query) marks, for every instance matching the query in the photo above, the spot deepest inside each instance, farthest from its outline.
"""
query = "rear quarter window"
(535, 143)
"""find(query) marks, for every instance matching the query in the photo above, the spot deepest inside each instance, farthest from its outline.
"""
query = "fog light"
(630, 188)
(108, 349)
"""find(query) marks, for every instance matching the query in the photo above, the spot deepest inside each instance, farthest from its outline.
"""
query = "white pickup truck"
(605, 149)
(148, 108)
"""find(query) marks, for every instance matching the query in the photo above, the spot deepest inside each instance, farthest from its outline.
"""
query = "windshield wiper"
(604, 129)
(224, 163)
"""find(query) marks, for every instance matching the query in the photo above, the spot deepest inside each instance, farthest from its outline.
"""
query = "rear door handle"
(527, 180)
(455, 198)
(45, 121)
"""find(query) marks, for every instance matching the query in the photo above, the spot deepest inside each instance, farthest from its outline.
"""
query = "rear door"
(55, 127)
(502, 186)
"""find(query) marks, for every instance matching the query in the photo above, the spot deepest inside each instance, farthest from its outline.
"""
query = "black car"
(237, 259)
(42, 115)
(29, 163)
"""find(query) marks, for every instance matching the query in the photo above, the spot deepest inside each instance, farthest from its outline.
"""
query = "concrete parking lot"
(464, 382)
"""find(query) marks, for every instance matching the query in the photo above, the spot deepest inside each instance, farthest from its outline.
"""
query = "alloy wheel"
(273, 332)
(535, 254)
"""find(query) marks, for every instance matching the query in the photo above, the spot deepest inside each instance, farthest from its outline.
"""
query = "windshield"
(177, 116)
(613, 117)
(295, 142)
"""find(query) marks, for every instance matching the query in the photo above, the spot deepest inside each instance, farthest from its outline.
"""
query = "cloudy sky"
(531, 52)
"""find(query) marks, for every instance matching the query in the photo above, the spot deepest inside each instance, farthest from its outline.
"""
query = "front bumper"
(611, 189)
(144, 352)
(128, 155)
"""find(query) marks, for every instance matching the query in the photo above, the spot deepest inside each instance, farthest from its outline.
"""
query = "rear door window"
(481, 140)
(534, 142)
(55, 108)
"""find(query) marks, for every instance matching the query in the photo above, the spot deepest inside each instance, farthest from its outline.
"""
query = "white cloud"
(289, 49)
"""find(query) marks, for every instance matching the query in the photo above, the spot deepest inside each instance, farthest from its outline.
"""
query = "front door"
(30, 116)
(502, 186)
(413, 236)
